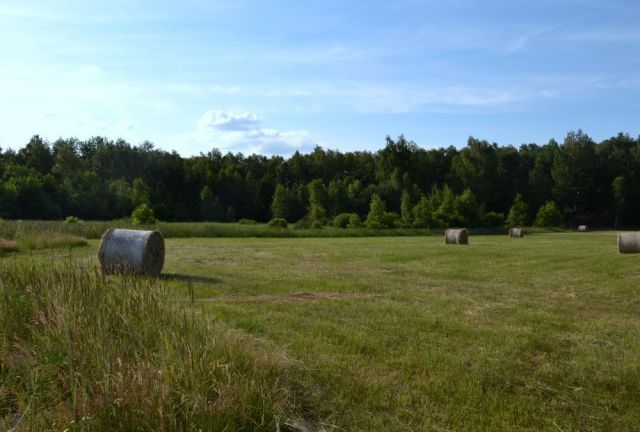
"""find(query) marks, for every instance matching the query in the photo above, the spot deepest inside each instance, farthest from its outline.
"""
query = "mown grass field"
(406, 333)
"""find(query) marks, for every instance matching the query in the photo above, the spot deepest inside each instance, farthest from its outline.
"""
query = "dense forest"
(402, 184)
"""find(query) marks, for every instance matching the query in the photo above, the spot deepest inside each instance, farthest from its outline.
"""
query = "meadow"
(363, 333)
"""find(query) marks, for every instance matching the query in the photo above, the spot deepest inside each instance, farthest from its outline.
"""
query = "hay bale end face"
(629, 242)
(456, 236)
(131, 251)
(516, 232)
(583, 228)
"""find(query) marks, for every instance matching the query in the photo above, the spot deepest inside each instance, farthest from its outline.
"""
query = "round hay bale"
(583, 228)
(629, 242)
(131, 251)
(456, 236)
(516, 232)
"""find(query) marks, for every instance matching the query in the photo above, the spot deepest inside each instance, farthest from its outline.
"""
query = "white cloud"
(237, 131)
(228, 121)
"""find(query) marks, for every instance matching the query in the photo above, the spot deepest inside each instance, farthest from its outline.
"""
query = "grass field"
(406, 333)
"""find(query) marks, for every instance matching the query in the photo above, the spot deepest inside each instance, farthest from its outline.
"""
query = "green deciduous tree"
(549, 216)
(376, 215)
(519, 213)
(406, 209)
(281, 203)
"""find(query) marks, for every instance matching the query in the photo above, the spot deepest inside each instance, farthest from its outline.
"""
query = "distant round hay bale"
(456, 236)
(629, 242)
(583, 228)
(131, 251)
(516, 232)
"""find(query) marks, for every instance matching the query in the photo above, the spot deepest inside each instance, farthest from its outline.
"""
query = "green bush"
(278, 223)
(343, 219)
(392, 220)
(492, 220)
(317, 224)
(549, 216)
(143, 215)
(302, 224)
(376, 215)
(354, 221)
(73, 220)
(245, 221)
(518, 213)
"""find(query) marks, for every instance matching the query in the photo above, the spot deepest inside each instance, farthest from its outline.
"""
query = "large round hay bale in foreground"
(516, 232)
(629, 242)
(456, 236)
(131, 251)
(583, 228)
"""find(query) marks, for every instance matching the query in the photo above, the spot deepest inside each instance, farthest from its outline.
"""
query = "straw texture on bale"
(583, 228)
(516, 232)
(456, 236)
(629, 242)
(131, 251)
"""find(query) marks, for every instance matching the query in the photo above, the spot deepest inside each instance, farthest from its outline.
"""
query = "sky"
(273, 77)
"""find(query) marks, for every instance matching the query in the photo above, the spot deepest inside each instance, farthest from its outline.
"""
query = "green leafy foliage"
(549, 216)
(102, 179)
(406, 209)
(281, 204)
(492, 220)
(143, 215)
(278, 223)
(73, 220)
(376, 218)
(354, 221)
(518, 213)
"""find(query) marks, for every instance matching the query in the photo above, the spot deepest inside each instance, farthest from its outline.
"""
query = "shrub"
(423, 213)
(376, 215)
(73, 220)
(245, 221)
(392, 220)
(317, 224)
(278, 223)
(492, 220)
(549, 216)
(342, 220)
(406, 209)
(143, 215)
(302, 224)
(518, 213)
(354, 221)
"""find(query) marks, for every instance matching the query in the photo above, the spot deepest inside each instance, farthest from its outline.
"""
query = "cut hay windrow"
(131, 251)
(629, 242)
(516, 232)
(456, 236)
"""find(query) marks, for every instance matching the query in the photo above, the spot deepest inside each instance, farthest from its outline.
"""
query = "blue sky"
(275, 76)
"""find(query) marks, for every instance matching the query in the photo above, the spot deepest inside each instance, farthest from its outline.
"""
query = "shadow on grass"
(190, 278)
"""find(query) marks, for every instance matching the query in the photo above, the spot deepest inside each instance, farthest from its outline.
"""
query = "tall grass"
(82, 352)
(11, 229)
(8, 246)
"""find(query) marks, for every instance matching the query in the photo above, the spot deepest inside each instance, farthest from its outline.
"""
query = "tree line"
(578, 181)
